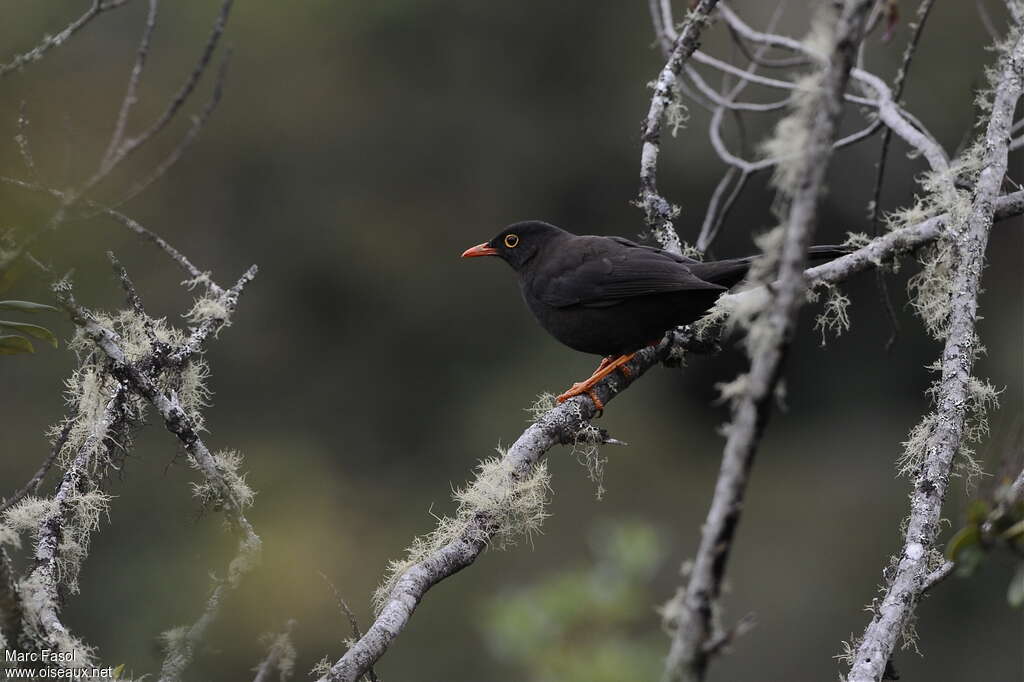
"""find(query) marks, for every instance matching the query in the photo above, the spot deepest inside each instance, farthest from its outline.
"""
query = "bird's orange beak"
(480, 250)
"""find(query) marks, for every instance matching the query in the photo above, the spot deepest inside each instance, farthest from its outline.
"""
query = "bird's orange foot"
(607, 366)
(581, 388)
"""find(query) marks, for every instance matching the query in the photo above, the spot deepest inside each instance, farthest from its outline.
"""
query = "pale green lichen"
(498, 507)
(209, 309)
(586, 448)
(80, 515)
(82, 512)
(732, 391)
(34, 593)
(249, 552)
(677, 115)
(931, 288)
(541, 406)
(764, 267)
(321, 668)
(25, 517)
(90, 387)
(213, 493)
(586, 442)
(857, 240)
(834, 316)
(281, 651)
(176, 647)
(820, 39)
(982, 397)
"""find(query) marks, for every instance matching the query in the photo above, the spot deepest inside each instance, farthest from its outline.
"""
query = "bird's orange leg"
(607, 366)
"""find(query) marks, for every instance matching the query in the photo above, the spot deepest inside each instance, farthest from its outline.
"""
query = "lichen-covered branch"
(814, 123)
(280, 656)
(560, 425)
(62, 536)
(952, 392)
(223, 486)
(658, 212)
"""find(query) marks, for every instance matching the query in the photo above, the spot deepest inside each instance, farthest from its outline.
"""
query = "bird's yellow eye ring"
(511, 240)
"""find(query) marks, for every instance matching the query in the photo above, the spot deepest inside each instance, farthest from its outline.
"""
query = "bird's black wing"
(603, 271)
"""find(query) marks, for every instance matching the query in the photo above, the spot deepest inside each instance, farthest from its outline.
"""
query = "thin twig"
(131, 96)
(24, 148)
(59, 38)
(353, 622)
(923, 10)
(130, 223)
(128, 145)
(32, 487)
(198, 123)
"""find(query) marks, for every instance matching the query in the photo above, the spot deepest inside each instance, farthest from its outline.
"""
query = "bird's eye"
(511, 240)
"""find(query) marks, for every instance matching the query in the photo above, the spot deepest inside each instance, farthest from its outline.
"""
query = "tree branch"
(658, 212)
(59, 38)
(768, 342)
(968, 242)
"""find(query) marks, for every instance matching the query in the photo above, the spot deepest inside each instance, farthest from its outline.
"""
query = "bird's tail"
(731, 272)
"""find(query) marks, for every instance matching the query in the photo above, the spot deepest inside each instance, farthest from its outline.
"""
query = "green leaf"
(1015, 594)
(30, 329)
(10, 345)
(27, 307)
(116, 673)
(965, 537)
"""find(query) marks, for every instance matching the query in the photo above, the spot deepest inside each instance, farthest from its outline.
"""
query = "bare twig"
(353, 622)
(122, 147)
(663, 36)
(968, 243)
(24, 148)
(59, 38)
(923, 10)
(130, 223)
(131, 96)
(32, 487)
(899, 121)
(198, 123)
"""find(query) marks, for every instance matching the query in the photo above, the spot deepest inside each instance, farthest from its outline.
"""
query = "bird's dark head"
(518, 243)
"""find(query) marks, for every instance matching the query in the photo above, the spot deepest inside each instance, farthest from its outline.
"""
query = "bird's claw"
(581, 388)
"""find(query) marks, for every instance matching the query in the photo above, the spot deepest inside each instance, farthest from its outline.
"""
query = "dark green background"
(360, 147)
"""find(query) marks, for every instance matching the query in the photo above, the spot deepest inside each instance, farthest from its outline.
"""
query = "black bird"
(610, 296)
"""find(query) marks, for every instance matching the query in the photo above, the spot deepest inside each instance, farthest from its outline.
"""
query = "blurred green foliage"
(586, 623)
(992, 525)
